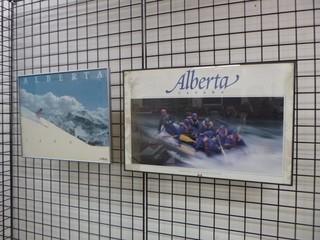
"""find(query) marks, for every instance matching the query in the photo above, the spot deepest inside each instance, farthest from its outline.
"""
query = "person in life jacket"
(206, 125)
(222, 133)
(195, 125)
(211, 146)
(167, 123)
(195, 121)
(187, 124)
(233, 139)
(207, 143)
(184, 127)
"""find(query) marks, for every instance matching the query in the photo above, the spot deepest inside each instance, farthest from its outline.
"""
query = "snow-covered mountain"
(70, 115)
(85, 125)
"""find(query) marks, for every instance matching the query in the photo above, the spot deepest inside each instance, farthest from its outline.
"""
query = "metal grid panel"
(5, 77)
(187, 33)
(67, 200)
(73, 200)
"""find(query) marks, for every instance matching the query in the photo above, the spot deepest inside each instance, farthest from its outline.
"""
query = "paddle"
(221, 147)
(186, 139)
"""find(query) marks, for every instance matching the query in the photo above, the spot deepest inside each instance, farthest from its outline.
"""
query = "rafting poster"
(66, 115)
(230, 122)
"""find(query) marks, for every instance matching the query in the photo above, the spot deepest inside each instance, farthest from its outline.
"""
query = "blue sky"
(89, 87)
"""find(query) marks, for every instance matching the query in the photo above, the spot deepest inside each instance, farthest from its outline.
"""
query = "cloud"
(50, 103)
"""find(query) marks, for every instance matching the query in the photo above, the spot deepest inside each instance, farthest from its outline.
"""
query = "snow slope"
(42, 139)
(91, 126)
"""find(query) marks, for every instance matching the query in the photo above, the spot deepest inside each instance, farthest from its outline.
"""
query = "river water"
(262, 155)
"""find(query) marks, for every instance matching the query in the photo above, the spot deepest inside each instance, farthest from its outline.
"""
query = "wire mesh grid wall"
(72, 200)
(5, 75)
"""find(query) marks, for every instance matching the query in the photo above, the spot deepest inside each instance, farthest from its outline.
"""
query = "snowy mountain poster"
(231, 122)
(66, 115)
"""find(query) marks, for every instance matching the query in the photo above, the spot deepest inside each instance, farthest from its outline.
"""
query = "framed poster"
(231, 122)
(66, 115)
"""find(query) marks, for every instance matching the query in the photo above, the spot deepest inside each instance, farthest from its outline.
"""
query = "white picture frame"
(66, 115)
(247, 110)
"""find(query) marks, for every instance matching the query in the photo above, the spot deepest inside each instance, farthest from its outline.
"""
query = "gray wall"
(69, 200)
